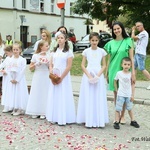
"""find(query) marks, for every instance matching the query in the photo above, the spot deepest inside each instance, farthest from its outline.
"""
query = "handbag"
(112, 60)
(54, 77)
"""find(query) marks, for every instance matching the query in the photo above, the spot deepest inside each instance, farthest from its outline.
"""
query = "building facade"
(24, 19)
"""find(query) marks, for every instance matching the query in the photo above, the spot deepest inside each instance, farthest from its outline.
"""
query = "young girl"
(40, 83)
(17, 92)
(4, 69)
(92, 106)
(60, 106)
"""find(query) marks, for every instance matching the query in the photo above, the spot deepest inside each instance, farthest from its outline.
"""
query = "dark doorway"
(23, 36)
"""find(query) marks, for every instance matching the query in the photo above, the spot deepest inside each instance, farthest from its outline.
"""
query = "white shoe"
(34, 116)
(42, 117)
(148, 88)
(19, 112)
(5, 111)
(13, 112)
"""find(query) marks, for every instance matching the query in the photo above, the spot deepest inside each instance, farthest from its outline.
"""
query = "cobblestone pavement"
(24, 133)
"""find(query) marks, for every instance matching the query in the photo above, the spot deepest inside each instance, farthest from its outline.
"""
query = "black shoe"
(116, 125)
(134, 124)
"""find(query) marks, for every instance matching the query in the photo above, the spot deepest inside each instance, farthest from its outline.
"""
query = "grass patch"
(77, 71)
(76, 65)
(140, 75)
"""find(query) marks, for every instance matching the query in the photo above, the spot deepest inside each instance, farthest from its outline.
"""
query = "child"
(92, 106)
(4, 66)
(60, 106)
(40, 82)
(17, 92)
(125, 93)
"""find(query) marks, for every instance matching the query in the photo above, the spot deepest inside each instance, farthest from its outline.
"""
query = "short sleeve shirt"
(142, 43)
(124, 83)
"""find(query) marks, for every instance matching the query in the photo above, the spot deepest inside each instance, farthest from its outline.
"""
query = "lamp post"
(22, 17)
(61, 5)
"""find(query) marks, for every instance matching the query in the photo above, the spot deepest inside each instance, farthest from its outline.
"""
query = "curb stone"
(136, 101)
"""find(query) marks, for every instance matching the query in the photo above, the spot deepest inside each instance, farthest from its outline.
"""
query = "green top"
(115, 65)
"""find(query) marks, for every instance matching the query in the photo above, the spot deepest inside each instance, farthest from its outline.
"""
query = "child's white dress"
(17, 94)
(92, 105)
(60, 106)
(6, 79)
(39, 88)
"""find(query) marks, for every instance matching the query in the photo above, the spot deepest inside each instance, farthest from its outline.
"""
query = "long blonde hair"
(48, 35)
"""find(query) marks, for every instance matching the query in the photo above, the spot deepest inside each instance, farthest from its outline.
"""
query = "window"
(42, 5)
(34, 5)
(71, 12)
(24, 4)
(14, 3)
(52, 6)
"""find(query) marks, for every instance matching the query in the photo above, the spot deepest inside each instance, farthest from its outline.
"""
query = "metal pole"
(22, 20)
(62, 16)
(22, 33)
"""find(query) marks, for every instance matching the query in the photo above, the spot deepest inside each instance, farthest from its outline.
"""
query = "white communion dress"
(39, 87)
(60, 104)
(92, 104)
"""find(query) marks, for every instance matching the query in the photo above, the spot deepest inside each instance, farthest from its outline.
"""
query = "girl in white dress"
(17, 92)
(40, 82)
(92, 105)
(4, 70)
(60, 106)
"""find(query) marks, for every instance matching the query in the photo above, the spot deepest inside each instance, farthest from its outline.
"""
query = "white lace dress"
(92, 105)
(60, 106)
(16, 96)
(39, 87)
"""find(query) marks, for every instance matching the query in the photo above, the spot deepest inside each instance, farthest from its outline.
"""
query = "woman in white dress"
(17, 92)
(92, 105)
(40, 82)
(4, 70)
(60, 106)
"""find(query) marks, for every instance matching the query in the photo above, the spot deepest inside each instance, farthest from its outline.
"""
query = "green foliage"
(76, 66)
(134, 10)
(77, 71)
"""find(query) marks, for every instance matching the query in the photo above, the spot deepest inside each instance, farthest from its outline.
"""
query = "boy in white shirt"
(125, 92)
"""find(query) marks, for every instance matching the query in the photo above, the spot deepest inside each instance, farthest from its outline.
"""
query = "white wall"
(10, 21)
(10, 24)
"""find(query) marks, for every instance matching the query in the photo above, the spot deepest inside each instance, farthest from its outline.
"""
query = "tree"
(110, 10)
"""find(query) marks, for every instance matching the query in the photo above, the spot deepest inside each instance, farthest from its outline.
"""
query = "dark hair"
(66, 47)
(64, 28)
(124, 34)
(93, 34)
(126, 59)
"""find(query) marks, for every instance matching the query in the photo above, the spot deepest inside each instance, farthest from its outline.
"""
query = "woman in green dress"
(121, 46)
